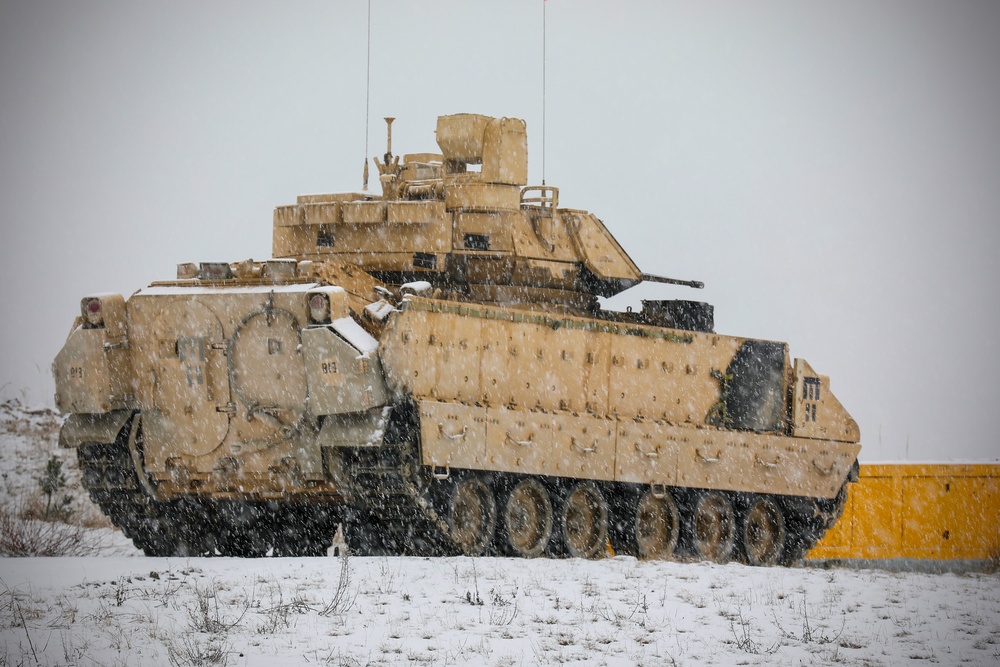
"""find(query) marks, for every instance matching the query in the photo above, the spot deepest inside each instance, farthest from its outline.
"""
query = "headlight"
(319, 308)
(92, 312)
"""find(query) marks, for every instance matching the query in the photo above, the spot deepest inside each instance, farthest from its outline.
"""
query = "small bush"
(205, 614)
(190, 651)
(25, 537)
(343, 595)
(52, 482)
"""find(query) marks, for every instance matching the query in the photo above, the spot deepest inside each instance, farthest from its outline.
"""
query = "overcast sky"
(830, 171)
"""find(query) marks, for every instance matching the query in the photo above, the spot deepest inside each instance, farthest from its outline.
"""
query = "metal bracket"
(826, 472)
(652, 455)
(761, 462)
(708, 459)
(524, 443)
(456, 436)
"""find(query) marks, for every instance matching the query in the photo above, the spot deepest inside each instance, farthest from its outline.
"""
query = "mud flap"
(82, 428)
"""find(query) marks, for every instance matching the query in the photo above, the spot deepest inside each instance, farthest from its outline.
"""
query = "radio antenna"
(368, 87)
(544, 5)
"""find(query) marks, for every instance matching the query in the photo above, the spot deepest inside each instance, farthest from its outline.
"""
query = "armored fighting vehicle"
(432, 370)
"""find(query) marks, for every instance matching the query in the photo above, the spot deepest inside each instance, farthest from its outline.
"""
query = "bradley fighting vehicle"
(430, 368)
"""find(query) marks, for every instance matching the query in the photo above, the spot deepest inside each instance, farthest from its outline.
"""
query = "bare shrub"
(15, 613)
(744, 636)
(503, 609)
(190, 651)
(123, 591)
(810, 634)
(26, 537)
(387, 576)
(205, 614)
(619, 617)
(343, 597)
(279, 616)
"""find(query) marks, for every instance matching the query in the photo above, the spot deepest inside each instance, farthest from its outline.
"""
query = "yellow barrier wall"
(931, 511)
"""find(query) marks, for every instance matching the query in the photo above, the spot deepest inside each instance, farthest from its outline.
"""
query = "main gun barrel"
(650, 278)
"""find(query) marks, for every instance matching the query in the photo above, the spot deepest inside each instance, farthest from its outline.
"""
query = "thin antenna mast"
(368, 87)
(544, 5)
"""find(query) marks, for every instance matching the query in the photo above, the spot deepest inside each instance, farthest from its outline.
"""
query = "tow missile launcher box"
(431, 369)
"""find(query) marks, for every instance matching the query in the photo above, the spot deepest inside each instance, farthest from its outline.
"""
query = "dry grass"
(21, 537)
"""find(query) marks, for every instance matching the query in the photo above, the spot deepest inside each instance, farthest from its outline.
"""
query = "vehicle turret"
(466, 221)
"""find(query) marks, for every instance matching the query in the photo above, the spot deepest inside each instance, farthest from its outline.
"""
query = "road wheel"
(763, 532)
(655, 525)
(584, 521)
(472, 514)
(713, 528)
(527, 519)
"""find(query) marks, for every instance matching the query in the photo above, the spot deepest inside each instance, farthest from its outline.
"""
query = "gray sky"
(832, 172)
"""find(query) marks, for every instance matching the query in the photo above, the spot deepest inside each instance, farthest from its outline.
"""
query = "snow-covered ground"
(488, 611)
(114, 607)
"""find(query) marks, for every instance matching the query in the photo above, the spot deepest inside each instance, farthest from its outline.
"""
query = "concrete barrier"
(938, 511)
